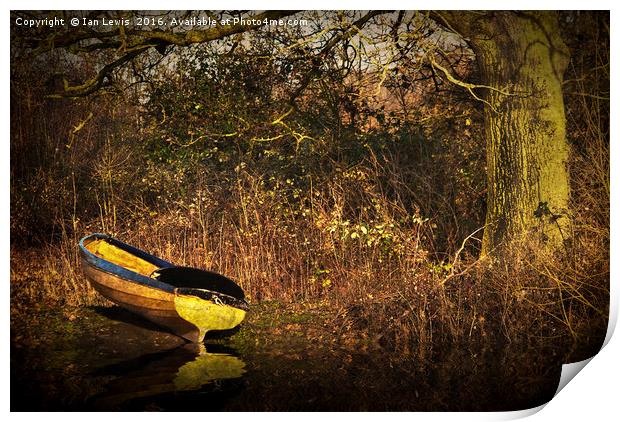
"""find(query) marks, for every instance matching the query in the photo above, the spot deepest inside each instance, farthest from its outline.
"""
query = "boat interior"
(186, 277)
(120, 257)
(199, 279)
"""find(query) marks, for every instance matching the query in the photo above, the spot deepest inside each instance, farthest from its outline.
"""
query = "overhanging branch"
(468, 86)
(96, 82)
(133, 43)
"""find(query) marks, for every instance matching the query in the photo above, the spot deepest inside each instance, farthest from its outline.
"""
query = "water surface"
(107, 359)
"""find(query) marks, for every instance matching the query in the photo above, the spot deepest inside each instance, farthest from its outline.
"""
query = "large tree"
(521, 60)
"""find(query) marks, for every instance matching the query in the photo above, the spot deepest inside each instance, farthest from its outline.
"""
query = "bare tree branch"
(353, 29)
(133, 43)
(96, 82)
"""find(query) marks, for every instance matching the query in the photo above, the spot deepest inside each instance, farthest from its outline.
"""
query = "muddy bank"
(281, 358)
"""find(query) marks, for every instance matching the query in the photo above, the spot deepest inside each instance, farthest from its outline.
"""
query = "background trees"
(521, 79)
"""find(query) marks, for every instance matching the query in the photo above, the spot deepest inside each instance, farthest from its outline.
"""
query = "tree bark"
(523, 56)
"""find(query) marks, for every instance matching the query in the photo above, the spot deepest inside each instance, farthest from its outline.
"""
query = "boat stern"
(208, 310)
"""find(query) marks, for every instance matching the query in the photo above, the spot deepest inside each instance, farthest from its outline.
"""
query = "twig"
(468, 86)
(456, 257)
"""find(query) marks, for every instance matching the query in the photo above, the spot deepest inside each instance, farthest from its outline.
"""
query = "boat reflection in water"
(165, 380)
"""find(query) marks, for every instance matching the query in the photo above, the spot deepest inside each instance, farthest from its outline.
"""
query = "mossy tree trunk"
(522, 55)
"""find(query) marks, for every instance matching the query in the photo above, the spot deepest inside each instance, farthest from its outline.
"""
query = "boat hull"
(187, 301)
(148, 302)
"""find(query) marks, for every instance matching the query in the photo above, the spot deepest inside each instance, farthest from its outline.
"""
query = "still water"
(107, 359)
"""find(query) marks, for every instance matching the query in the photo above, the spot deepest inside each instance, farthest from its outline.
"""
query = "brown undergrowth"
(406, 302)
